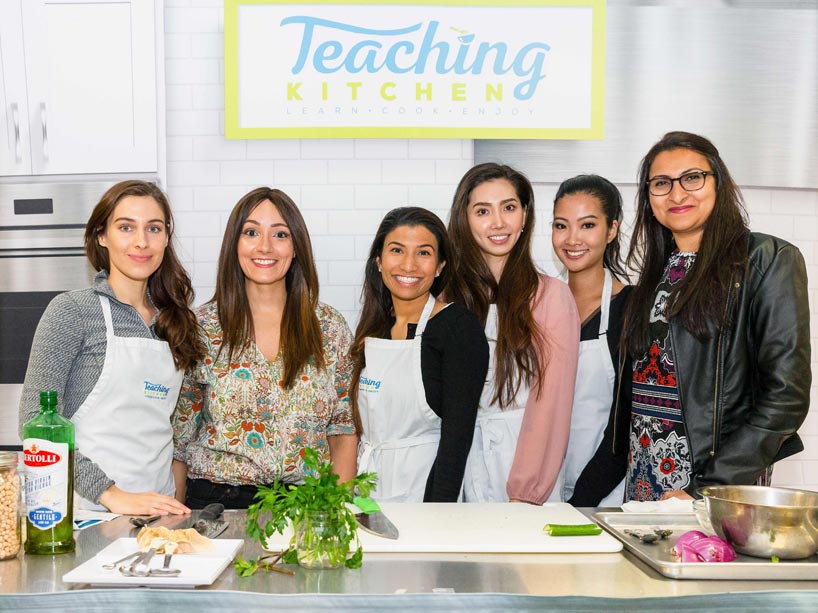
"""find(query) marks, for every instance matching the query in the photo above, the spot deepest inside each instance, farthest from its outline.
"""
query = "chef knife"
(378, 524)
(210, 522)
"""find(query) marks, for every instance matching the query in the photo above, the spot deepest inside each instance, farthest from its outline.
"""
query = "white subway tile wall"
(344, 187)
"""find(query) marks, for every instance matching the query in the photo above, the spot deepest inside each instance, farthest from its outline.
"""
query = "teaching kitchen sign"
(422, 68)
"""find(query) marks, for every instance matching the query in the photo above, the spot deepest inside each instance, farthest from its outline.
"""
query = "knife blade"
(209, 523)
(378, 524)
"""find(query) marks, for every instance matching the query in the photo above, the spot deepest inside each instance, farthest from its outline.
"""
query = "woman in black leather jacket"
(718, 328)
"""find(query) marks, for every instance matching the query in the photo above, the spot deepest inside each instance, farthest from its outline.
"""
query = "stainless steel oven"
(41, 255)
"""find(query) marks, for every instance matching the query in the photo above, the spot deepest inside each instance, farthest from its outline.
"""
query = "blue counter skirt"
(176, 601)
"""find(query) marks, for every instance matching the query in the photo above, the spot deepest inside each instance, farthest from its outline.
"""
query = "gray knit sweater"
(67, 355)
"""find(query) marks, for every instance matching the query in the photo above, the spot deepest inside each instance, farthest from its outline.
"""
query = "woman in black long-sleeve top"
(420, 365)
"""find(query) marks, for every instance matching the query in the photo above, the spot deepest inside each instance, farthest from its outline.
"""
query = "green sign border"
(231, 83)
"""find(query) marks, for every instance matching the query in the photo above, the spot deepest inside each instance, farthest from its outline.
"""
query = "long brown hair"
(376, 298)
(170, 288)
(521, 352)
(301, 339)
(700, 299)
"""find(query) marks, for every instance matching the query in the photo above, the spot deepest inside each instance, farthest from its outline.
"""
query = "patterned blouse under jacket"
(235, 422)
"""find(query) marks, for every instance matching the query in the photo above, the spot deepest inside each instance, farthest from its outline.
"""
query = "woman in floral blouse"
(277, 369)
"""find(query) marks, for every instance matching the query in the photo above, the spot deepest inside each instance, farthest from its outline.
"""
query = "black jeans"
(201, 492)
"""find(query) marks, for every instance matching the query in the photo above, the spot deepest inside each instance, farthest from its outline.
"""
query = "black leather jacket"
(744, 392)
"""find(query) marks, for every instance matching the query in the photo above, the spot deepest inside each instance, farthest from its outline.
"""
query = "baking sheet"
(477, 528)
(657, 555)
(197, 568)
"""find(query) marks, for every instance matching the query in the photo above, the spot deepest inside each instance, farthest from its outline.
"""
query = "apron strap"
(106, 314)
(605, 303)
(424, 316)
(368, 449)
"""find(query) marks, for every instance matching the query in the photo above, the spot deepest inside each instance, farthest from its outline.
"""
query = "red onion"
(685, 553)
(695, 546)
(686, 539)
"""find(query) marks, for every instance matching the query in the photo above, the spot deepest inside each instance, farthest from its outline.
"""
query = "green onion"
(572, 529)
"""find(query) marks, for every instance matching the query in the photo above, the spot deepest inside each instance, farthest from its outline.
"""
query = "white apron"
(593, 395)
(401, 432)
(496, 432)
(124, 424)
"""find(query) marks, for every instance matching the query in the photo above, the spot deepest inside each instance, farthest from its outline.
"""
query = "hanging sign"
(423, 68)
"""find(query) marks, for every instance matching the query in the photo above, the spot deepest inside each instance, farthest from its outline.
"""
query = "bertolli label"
(46, 465)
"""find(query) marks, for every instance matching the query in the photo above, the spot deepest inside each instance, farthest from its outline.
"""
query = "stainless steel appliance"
(41, 255)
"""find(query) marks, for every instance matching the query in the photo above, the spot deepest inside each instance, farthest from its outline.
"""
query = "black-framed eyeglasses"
(690, 181)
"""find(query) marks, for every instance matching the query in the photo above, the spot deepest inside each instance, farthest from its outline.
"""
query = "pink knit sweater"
(547, 418)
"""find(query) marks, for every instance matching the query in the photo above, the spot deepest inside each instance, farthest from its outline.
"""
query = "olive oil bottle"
(48, 455)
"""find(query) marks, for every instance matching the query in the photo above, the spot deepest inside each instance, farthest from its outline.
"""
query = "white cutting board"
(478, 528)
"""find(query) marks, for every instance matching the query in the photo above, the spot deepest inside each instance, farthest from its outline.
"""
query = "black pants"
(201, 492)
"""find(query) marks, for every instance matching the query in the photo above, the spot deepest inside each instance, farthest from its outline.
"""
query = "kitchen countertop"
(589, 576)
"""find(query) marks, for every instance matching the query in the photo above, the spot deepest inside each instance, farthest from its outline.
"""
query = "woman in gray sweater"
(116, 353)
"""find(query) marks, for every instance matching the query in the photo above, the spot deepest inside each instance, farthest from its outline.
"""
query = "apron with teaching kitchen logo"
(593, 395)
(123, 426)
(401, 431)
(496, 432)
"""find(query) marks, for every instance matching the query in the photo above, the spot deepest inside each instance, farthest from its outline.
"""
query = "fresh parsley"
(282, 504)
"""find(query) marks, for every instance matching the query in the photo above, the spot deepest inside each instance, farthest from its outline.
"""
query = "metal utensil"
(113, 565)
(209, 523)
(378, 524)
(166, 571)
(211, 528)
(141, 522)
(127, 569)
(141, 566)
(645, 538)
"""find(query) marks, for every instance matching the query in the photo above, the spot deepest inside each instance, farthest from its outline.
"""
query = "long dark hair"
(301, 340)
(170, 288)
(376, 298)
(700, 299)
(520, 352)
(611, 201)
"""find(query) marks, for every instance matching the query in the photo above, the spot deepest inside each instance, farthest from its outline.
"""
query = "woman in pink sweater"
(532, 326)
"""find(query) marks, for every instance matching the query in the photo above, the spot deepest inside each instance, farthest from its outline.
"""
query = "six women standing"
(532, 326)
(718, 324)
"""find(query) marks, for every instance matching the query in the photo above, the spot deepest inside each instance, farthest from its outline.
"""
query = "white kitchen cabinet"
(15, 152)
(79, 87)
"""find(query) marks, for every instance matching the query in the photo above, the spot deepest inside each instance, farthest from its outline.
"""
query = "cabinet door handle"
(44, 121)
(18, 152)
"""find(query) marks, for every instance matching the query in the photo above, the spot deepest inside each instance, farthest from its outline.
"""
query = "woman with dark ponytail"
(116, 354)
(585, 237)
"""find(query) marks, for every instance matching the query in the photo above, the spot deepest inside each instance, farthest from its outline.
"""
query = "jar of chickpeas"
(10, 505)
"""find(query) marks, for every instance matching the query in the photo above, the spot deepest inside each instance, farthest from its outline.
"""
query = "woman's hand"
(142, 503)
(681, 495)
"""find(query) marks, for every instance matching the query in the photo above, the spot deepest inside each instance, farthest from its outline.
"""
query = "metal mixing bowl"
(764, 521)
(702, 516)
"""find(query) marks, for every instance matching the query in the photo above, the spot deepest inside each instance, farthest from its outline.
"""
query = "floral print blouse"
(235, 423)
